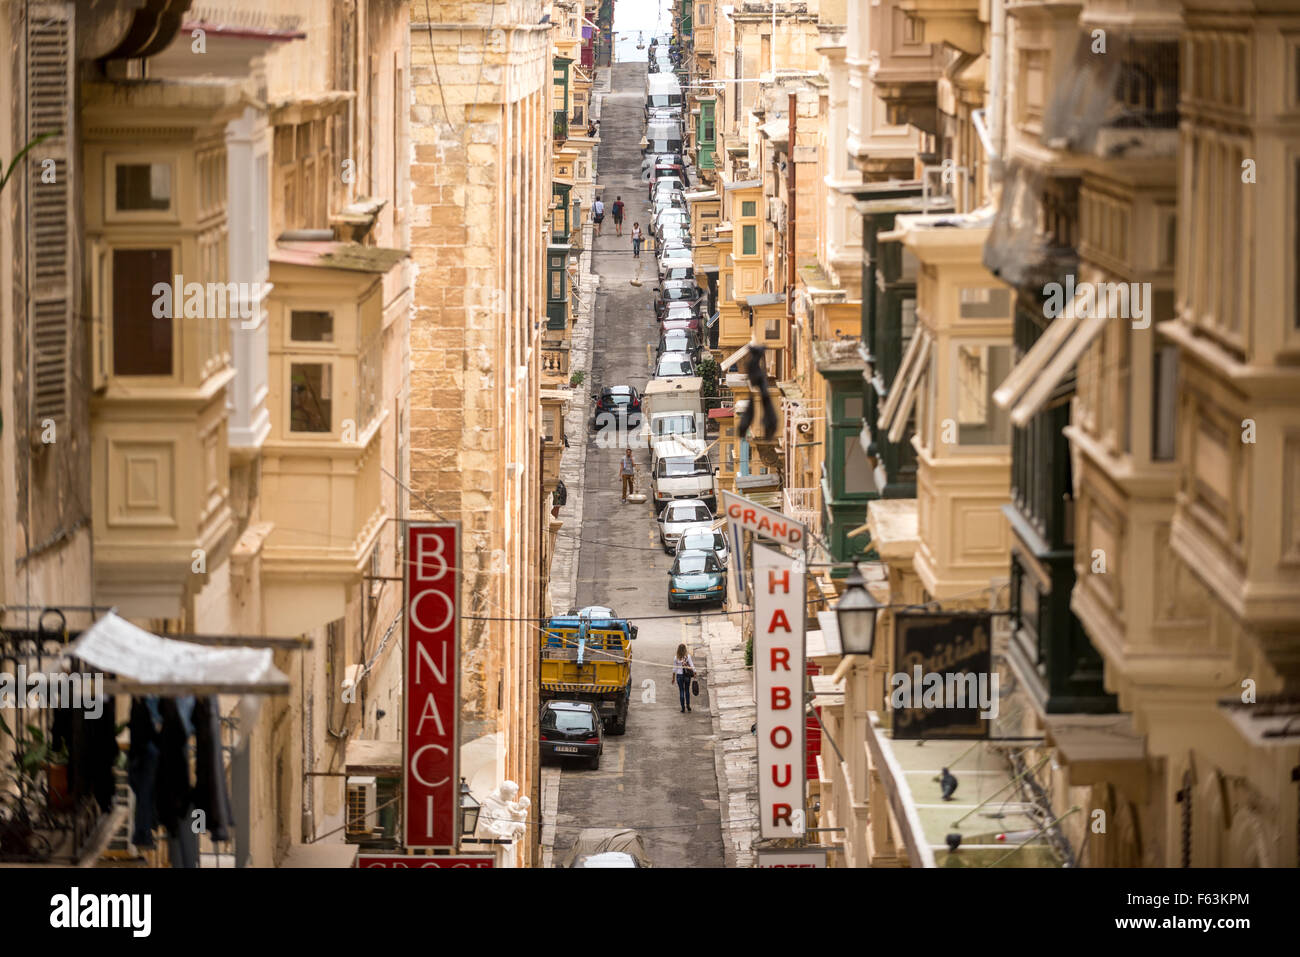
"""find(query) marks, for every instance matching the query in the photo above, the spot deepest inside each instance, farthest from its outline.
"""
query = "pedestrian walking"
(636, 240)
(618, 216)
(597, 215)
(627, 469)
(684, 674)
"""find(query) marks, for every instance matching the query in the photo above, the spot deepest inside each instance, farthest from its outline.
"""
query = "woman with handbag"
(684, 673)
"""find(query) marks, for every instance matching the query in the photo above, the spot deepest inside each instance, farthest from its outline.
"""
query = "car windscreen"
(676, 341)
(620, 398)
(696, 564)
(665, 100)
(680, 293)
(678, 466)
(554, 719)
(668, 367)
(675, 425)
(689, 513)
(680, 272)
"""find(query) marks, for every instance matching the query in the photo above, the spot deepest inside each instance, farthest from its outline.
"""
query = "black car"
(571, 729)
(677, 290)
(615, 404)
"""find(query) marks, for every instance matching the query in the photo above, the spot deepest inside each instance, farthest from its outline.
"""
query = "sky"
(633, 17)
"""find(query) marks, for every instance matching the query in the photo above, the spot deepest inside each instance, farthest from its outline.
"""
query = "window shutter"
(49, 111)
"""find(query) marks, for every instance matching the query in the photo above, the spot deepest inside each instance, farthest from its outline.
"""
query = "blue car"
(696, 576)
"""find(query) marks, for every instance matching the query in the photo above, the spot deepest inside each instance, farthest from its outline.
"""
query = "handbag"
(695, 687)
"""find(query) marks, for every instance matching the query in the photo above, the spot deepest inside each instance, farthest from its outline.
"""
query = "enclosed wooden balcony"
(321, 476)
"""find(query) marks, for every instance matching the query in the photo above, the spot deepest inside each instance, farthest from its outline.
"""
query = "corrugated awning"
(725, 413)
(145, 663)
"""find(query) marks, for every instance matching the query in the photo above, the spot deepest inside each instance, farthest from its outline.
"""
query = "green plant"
(23, 152)
(577, 378)
(749, 652)
(708, 372)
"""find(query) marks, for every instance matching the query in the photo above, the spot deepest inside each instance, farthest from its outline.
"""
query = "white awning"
(735, 357)
(1041, 369)
(906, 385)
(144, 663)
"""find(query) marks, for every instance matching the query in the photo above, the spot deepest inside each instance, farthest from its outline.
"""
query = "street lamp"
(856, 615)
(469, 809)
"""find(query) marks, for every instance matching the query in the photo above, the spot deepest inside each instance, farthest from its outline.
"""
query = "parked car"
(696, 576)
(676, 291)
(677, 517)
(674, 270)
(682, 315)
(674, 249)
(671, 214)
(617, 404)
(704, 538)
(572, 729)
(673, 365)
(678, 340)
(681, 472)
(607, 847)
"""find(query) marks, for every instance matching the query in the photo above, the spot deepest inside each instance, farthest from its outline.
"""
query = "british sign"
(778, 686)
(431, 734)
(404, 861)
(945, 686)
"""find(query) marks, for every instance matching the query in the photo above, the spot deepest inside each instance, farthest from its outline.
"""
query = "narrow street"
(660, 777)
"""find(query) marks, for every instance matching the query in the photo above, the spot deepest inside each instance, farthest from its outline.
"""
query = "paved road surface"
(660, 777)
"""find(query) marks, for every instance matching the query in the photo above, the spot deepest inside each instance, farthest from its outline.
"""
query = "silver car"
(672, 364)
(704, 538)
(679, 516)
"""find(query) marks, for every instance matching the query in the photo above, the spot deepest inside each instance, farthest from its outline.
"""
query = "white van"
(681, 471)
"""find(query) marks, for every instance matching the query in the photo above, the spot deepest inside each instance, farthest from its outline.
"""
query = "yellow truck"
(587, 657)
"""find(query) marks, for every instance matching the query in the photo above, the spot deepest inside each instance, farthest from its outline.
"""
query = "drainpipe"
(789, 212)
(997, 87)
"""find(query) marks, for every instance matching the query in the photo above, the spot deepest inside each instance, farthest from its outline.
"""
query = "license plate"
(567, 748)
(698, 597)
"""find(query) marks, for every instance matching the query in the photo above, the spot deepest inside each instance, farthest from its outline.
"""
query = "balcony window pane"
(144, 186)
(980, 369)
(305, 326)
(772, 330)
(858, 479)
(852, 407)
(749, 208)
(749, 240)
(1164, 401)
(311, 395)
(985, 303)
(142, 342)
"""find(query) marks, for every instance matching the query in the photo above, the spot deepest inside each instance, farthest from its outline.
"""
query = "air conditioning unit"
(362, 793)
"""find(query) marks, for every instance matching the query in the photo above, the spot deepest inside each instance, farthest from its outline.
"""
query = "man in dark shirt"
(618, 216)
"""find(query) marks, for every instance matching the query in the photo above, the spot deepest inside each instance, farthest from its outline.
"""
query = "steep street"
(660, 777)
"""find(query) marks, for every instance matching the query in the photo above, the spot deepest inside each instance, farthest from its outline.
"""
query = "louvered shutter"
(49, 110)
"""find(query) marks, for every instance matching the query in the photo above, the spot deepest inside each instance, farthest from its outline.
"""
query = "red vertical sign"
(431, 734)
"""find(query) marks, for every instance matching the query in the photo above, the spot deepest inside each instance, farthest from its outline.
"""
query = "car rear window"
(688, 564)
(669, 367)
(555, 719)
(675, 425)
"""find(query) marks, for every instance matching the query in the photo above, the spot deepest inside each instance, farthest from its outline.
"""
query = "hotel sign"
(791, 857)
(945, 686)
(779, 611)
(407, 861)
(431, 686)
